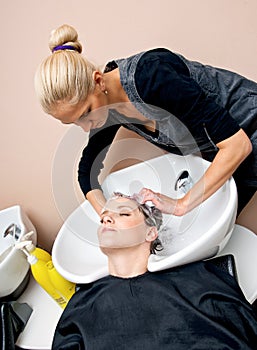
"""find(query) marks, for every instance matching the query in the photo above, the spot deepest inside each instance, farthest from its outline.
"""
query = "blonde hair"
(64, 76)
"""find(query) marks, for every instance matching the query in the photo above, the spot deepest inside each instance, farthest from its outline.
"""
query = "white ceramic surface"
(202, 233)
(75, 252)
(243, 246)
(39, 331)
(13, 263)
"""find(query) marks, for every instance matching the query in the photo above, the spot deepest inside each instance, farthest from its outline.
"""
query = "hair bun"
(65, 35)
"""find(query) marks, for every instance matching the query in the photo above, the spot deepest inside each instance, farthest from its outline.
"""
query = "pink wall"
(221, 32)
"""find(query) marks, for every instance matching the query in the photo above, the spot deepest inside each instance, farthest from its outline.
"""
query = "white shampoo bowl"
(200, 234)
(13, 263)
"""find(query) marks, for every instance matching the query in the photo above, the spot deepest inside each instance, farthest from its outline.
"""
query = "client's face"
(122, 224)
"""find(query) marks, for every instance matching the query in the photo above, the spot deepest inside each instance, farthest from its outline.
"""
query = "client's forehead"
(117, 204)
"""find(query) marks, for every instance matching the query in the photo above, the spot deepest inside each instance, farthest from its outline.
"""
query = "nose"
(107, 219)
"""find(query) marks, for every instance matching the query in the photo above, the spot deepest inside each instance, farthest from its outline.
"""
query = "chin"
(108, 250)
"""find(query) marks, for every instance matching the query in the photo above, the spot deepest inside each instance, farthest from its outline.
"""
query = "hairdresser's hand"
(164, 203)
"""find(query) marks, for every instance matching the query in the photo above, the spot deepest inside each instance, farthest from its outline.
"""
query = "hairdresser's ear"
(98, 79)
(151, 234)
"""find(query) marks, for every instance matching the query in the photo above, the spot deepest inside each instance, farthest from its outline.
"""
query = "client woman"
(196, 306)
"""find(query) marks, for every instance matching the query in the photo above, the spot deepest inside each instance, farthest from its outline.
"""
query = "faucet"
(184, 182)
(12, 230)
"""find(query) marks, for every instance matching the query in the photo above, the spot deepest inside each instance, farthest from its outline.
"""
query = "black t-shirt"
(162, 79)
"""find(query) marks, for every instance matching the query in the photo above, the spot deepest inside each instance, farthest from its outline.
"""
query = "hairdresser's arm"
(96, 199)
(232, 152)
(91, 163)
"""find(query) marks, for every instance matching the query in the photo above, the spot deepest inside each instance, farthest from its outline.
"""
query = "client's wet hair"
(153, 217)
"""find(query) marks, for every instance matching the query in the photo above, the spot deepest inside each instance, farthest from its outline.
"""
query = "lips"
(107, 229)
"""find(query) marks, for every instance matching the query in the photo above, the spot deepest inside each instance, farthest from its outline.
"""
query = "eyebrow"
(119, 207)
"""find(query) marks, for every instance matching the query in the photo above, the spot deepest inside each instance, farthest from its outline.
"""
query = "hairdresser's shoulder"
(158, 54)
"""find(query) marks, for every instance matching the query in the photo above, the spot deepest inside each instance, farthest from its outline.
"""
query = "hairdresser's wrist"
(181, 207)
(96, 199)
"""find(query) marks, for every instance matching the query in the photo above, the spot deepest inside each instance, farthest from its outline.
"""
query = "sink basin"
(14, 267)
(200, 234)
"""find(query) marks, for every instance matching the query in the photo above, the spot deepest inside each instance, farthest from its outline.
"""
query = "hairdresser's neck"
(116, 93)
